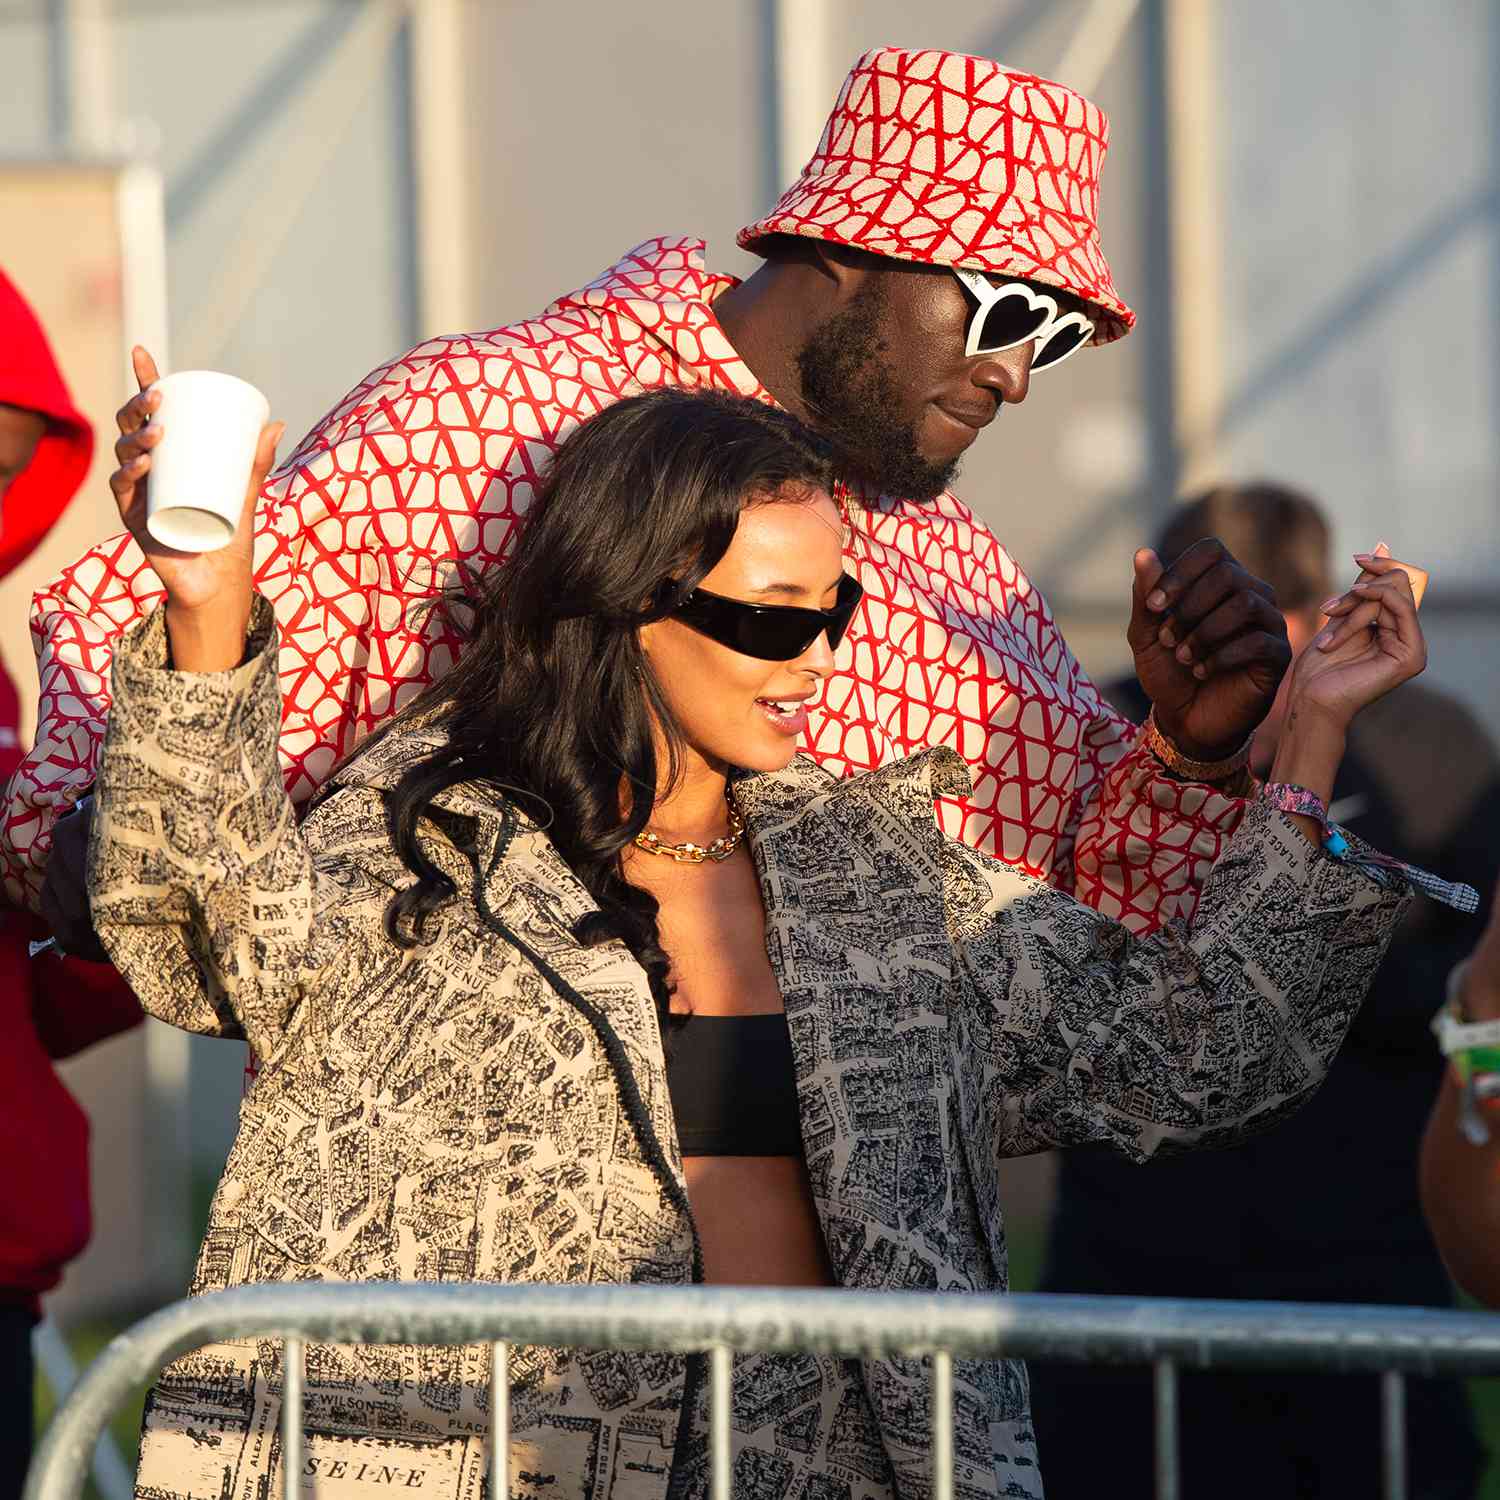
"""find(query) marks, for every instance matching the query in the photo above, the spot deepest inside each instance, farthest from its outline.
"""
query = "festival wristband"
(1473, 1050)
(1288, 797)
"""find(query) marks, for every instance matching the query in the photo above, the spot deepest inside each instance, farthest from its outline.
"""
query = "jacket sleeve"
(1143, 843)
(345, 540)
(1071, 1029)
(1135, 844)
(203, 889)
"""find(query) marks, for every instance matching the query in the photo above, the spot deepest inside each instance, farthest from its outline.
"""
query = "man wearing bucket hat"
(939, 250)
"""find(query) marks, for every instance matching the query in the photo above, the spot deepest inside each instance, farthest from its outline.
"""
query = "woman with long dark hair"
(578, 973)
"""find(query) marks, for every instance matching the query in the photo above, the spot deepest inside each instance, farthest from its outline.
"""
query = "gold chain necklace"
(689, 853)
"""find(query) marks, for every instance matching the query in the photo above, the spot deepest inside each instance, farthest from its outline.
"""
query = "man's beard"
(852, 400)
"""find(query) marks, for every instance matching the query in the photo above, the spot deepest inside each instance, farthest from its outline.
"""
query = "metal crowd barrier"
(723, 1321)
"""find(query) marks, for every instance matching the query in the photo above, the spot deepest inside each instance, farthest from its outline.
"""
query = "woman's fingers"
(129, 444)
(1365, 607)
(265, 457)
(137, 411)
(1385, 606)
(265, 454)
(129, 493)
(144, 366)
(1370, 562)
(1354, 619)
(1398, 614)
(1377, 562)
(122, 483)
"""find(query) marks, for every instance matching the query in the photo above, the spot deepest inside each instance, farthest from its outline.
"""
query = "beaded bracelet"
(1288, 797)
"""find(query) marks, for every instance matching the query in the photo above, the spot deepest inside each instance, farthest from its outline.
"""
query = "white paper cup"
(201, 466)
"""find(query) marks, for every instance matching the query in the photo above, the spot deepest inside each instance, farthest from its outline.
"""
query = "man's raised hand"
(1210, 647)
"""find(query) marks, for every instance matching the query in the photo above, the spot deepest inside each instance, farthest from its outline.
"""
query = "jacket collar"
(852, 873)
(656, 303)
(904, 789)
(505, 836)
(766, 799)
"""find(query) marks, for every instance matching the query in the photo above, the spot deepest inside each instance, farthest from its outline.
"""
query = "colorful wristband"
(1288, 797)
(1473, 1050)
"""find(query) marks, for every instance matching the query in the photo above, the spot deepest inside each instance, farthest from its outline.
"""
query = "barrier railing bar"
(1393, 1434)
(720, 1377)
(500, 1420)
(291, 1418)
(1168, 1450)
(942, 1425)
(1344, 1338)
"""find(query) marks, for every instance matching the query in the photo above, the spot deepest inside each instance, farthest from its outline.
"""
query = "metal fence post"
(500, 1421)
(1168, 1476)
(291, 1416)
(720, 1379)
(942, 1425)
(1393, 1434)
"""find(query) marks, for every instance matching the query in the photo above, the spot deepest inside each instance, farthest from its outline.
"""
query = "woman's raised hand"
(208, 593)
(1372, 643)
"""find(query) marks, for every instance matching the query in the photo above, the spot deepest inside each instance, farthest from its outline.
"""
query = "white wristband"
(1454, 1035)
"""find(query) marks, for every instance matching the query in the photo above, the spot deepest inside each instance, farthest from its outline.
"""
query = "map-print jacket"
(434, 457)
(493, 1105)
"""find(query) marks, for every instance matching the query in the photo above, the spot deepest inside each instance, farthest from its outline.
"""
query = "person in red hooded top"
(50, 1007)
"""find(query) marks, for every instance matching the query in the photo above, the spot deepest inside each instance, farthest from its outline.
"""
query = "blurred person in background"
(1461, 1147)
(49, 1007)
(940, 250)
(1326, 1207)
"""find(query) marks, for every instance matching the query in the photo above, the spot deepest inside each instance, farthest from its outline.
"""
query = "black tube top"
(733, 1087)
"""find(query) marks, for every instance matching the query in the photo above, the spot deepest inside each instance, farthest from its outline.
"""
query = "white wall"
(1361, 286)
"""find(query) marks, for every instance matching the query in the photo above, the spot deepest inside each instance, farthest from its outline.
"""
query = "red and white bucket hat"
(958, 161)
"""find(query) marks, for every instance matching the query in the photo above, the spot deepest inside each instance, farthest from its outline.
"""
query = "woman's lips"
(791, 720)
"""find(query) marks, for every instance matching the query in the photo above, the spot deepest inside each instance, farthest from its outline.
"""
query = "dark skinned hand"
(1210, 647)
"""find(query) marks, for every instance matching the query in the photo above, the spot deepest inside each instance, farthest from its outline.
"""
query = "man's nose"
(1007, 374)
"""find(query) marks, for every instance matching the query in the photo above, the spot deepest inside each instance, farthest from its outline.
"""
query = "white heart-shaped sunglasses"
(1013, 313)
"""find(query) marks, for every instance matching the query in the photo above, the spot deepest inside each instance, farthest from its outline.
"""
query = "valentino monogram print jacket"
(493, 1105)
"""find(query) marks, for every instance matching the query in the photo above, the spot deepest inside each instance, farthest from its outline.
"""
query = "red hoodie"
(49, 1007)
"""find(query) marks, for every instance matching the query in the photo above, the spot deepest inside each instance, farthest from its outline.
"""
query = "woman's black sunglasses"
(772, 632)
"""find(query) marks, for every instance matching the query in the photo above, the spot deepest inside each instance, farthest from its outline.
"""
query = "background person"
(899, 337)
(1461, 1178)
(458, 971)
(1325, 1208)
(49, 1008)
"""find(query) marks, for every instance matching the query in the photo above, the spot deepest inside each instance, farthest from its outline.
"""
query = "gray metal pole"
(1156, 330)
(1168, 1446)
(81, 86)
(1393, 1434)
